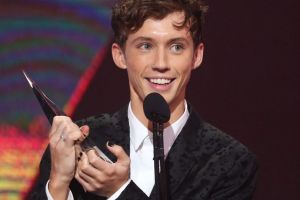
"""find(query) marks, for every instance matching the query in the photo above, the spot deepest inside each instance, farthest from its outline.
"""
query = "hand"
(64, 136)
(100, 177)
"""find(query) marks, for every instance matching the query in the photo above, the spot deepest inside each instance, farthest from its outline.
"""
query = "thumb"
(85, 129)
(119, 152)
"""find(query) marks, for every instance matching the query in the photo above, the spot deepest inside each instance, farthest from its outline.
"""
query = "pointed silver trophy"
(51, 110)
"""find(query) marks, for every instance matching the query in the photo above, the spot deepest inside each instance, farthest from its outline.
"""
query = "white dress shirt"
(141, 152)
(141, 149)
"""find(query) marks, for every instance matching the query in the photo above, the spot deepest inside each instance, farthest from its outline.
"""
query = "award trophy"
(51, 110)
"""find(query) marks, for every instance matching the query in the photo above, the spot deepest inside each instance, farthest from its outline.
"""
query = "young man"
(159, 43)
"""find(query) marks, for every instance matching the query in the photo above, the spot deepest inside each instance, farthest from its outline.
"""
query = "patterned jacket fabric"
(203, 163)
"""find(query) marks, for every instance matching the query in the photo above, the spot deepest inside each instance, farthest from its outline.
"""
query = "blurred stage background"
(248, 84)
(56, 42)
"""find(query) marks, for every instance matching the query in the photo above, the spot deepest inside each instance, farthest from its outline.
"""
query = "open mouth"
(160, 81)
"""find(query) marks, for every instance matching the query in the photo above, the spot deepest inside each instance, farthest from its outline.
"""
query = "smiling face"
(159, 58)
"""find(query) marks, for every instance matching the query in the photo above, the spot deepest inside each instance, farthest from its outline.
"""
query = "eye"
(177, 48)
(144, 46)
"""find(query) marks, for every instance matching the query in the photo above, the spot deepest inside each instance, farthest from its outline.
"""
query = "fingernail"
(110, 143)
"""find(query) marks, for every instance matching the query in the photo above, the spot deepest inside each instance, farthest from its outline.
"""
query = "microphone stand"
(159, 162)
(157, 110)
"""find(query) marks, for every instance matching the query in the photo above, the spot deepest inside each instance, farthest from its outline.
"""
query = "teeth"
(160, 81)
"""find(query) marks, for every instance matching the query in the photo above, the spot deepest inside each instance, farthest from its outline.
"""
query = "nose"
(160, 61)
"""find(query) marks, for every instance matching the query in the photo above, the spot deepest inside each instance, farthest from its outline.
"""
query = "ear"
(198, 55)
(118, 56)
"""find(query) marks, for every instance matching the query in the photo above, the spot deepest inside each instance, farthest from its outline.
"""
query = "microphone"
(157, 110)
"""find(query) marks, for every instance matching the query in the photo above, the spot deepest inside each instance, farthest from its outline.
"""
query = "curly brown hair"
(129, 15)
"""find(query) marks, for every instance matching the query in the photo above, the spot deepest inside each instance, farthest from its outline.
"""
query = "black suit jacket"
(203, 163)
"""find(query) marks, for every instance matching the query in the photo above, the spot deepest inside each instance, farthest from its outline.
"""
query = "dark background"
(247, 86)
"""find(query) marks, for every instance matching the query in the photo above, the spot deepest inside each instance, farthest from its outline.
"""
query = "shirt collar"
(177, 126)
(138, 132)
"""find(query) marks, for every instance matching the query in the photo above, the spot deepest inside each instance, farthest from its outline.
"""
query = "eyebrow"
(142, 39)
(172, 40)
(178, 40)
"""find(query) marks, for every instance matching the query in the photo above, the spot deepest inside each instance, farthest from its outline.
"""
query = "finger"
(85, 132)
(82, 178)
(96, 161)
(57, 130)
(119, 152)
(62, 129)
(71, 133)
(86, 186)
(88, 176)
(78, 153)
(82, 166)
(87, 168)
(54, 126)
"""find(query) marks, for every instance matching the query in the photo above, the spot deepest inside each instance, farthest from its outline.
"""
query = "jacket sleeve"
(239, 182)
(38, 191)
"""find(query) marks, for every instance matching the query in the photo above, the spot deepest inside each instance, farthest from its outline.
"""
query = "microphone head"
(156, 108)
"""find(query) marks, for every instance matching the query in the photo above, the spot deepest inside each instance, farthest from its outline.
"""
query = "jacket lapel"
(181, 157)
(120, 135)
